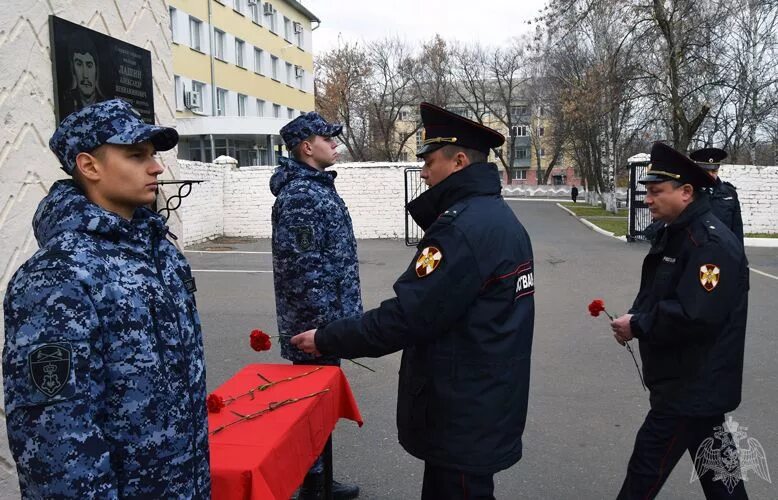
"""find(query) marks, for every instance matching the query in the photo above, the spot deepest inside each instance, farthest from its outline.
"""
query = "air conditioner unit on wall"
(252, 2)
(192, 100)
(268, 9)
(298, 27)
(298, 72)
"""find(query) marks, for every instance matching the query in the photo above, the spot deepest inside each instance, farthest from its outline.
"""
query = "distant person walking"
(574, 194)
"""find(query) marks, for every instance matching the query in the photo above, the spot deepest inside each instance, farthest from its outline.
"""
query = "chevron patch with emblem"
(709, 276)
(429, 259)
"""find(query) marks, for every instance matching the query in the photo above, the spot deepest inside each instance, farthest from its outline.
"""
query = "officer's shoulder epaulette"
(729, 185)
(706, 230)
(452, 213)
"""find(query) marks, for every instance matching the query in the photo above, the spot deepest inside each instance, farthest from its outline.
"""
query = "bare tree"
(343, 95)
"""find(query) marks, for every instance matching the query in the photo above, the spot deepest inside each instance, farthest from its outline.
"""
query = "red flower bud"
(596, 307)
(214, 403)
(260, 341)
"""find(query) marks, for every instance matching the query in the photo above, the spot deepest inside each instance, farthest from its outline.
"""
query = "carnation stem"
(629, 348)
(363, 366)
(270, 407)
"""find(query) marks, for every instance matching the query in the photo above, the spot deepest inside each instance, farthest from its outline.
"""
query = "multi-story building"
(242, 69)
(528, 134)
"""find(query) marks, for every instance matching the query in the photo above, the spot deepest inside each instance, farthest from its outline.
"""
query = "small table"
(269, 456)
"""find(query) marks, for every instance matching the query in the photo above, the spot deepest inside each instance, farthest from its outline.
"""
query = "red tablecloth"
(268, 457)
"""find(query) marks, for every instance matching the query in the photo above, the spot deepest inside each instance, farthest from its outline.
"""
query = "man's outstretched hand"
(306, 342)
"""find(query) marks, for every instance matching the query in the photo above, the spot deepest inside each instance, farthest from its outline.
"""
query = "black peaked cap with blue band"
(667, 164)
(444, 128)
(709, 158)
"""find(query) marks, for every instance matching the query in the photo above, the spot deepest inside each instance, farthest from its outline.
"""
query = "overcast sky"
(489, 21)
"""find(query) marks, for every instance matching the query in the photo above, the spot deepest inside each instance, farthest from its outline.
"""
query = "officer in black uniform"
(723, 196)
(690, 320)
(463, 316)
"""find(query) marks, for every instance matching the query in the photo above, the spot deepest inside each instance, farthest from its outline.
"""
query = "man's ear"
(88, 166)
(688, 191)
(306, 148)
(462, 160)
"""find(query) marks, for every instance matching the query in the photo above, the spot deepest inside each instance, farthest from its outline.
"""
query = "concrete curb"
(761, 242)
(591, 226)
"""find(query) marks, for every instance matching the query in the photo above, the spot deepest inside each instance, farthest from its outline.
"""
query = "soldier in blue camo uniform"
(315, 265)
(103, 367)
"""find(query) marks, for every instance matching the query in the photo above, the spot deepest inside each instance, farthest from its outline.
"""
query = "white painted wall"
(27, 167)
(373, 192)
(375, 196)
(757, 188)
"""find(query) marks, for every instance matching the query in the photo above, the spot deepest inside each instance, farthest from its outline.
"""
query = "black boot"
(344, 491)
(312, 488)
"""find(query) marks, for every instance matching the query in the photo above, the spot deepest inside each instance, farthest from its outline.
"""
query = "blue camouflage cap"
(106, 122)
(304, 126)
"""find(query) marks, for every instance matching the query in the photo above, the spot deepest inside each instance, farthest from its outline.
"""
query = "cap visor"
(653, 178)
(334, 130)
(163, 138)
(429, 148)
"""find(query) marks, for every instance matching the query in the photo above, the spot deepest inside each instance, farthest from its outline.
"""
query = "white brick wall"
(375, 196)
(757, 188)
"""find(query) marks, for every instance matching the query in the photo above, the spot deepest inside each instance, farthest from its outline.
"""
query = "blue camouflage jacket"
(315, 265)
(103, 365)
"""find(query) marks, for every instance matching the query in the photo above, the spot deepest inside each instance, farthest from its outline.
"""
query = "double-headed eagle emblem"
(730, 463)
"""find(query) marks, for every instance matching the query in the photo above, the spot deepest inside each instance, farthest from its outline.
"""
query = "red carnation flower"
(214, 403)
(596, 307)
(260, 341)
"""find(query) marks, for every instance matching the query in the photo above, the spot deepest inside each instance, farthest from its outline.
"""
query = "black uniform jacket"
(690, 315)
(725, 205)
(465, 327)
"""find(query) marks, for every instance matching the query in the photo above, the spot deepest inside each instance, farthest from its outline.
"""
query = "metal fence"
(414, 186)
(639, 215)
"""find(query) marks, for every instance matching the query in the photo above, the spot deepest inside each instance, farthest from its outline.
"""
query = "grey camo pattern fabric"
(106, 122)
(304, 126)
(315, 264)
(130, 419)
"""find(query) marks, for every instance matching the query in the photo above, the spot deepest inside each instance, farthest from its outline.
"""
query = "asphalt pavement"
(586, 402)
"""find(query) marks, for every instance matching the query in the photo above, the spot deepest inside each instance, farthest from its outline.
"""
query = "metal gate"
(414, 186)
(639, 215)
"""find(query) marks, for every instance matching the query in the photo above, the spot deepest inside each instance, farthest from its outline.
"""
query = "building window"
(172, 14)
(274, 67)
(242, 102)
(298, 34)
(519, 131)
(221, 102)
(238, 6)
(276, 111)
(195, 27)
(197, 89)
(260, 107)
(518, 111)
(522, 153)
(287, 29)
(519, 174)
(542, 152)
(419, 139)
(270, 12)
(289, 113)
(299, 73)
(254, 10)
(258, 61)
(240, 48)
(541, 130)
(219, 38)
(289, 74)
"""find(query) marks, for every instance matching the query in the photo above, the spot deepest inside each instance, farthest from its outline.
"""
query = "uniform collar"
(478, 179)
